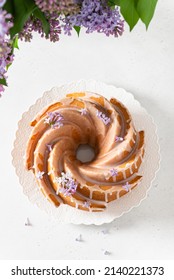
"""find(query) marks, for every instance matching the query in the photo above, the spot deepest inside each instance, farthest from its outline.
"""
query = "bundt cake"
(106, 126)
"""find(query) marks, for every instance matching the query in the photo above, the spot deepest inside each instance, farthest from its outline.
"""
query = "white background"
(142, 63)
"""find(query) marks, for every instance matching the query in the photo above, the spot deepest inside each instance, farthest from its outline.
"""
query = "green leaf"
(113, 3)
(9, 7)
(3, 82)
(15, 43)
(129, 12)
(22, 11)
(146, 9)
(40, 15)
(77, 29)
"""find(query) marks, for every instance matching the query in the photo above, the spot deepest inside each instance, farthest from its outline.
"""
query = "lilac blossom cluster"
(54, 119)
(61, 6)
(59, 15)
(96, 16)
(6, 56)
(68, 185)
(34, 24)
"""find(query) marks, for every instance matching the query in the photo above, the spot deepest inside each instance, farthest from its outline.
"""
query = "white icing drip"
(124, 174)
(129, 148)
(90, 193)
(118, 195)
(130, 168)
(141, 157)
(50, 172)
(135, 163)
(106, 196)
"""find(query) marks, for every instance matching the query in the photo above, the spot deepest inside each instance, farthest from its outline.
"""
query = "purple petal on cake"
(49, 147)
(39, 175)
(126, 187)
(54, 119)
(103, 117)
(83, 111)
(87, 204)
(113, 172)
(68, 185)
(119, 139)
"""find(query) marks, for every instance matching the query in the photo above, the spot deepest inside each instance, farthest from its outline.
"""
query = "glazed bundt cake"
(106, 126)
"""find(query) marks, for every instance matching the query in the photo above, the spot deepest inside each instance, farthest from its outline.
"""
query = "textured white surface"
(142, 63)
(149, 167)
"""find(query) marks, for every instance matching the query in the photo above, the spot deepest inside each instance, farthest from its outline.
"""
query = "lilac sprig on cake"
(68, 185)
(54, 119)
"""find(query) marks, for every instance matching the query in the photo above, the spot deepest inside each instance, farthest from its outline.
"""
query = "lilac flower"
(34, 24)
(126, 186)
(39, 175)
(97, 16)
(54, 119)
(61, 6)
(68, 185)
(2, 2)
(83, 111)
(6, 56)
(114, 172)
(5, 24)
(103, 117)
(49, 147)
(87, 204)
(119, 139)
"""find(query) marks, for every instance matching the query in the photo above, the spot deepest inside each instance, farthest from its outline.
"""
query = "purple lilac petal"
(113, 172)
(103, 117)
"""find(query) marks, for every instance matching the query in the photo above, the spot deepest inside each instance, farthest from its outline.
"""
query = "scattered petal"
(106, 252)
(105, 231)
(28, 223)
(79, 238)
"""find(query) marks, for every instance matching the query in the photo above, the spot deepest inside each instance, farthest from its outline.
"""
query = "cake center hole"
(85, 153)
